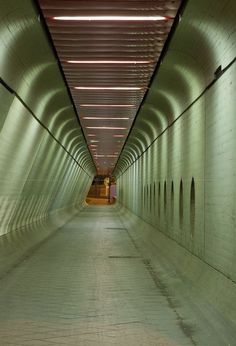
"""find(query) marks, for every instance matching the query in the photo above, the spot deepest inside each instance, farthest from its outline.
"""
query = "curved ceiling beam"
(129, 154)
(69, 136)
(141, 135)
(65, 127)
(149, 128)
(62, 114)
(156, 117)
(79, 139)
(135, 144)
(76, 142)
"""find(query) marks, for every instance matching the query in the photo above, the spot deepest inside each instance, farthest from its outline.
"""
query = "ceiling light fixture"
(105, 128)
(100, 105)
(103, 118)
(109, 88)
(118, 136)
(112, 18)
(110, 61)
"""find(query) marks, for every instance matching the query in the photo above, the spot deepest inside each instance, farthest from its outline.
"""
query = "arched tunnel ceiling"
(108, 51)
(197, 48)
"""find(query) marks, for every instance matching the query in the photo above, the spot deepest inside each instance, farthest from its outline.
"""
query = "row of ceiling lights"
(93, 147)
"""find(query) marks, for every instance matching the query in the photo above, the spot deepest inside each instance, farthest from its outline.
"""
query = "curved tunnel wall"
(45, 165)
(183, 182)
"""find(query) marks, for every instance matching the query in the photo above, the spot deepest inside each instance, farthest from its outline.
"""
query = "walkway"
(89, 285)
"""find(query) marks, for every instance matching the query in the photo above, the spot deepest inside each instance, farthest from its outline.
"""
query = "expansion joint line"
(41, 123)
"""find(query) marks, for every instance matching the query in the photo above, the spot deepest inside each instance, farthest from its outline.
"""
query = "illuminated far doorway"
(102, 191)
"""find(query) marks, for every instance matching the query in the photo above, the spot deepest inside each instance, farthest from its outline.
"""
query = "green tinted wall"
(178, 168)
(45, 166)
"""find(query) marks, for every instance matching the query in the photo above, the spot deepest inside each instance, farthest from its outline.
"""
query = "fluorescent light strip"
(100, 155)
(118, 136)
(112, 18)
(97, 118)
(105, 128)
(108, 88)
(95, 105)
(110, 61)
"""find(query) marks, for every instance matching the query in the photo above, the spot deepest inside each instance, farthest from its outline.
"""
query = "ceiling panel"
(108, 60)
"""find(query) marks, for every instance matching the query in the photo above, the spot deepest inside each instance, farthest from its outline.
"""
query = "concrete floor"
(89, 284)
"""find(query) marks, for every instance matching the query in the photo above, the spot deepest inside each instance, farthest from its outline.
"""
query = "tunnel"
(141, 94)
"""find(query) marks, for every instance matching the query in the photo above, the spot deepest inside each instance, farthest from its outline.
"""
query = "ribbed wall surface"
(45, 166)
(176, 174)
(179, 173)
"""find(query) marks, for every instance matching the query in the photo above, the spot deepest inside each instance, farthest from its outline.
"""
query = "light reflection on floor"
(99, 201)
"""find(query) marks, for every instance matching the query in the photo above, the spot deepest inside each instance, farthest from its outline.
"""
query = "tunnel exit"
(102, 190)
